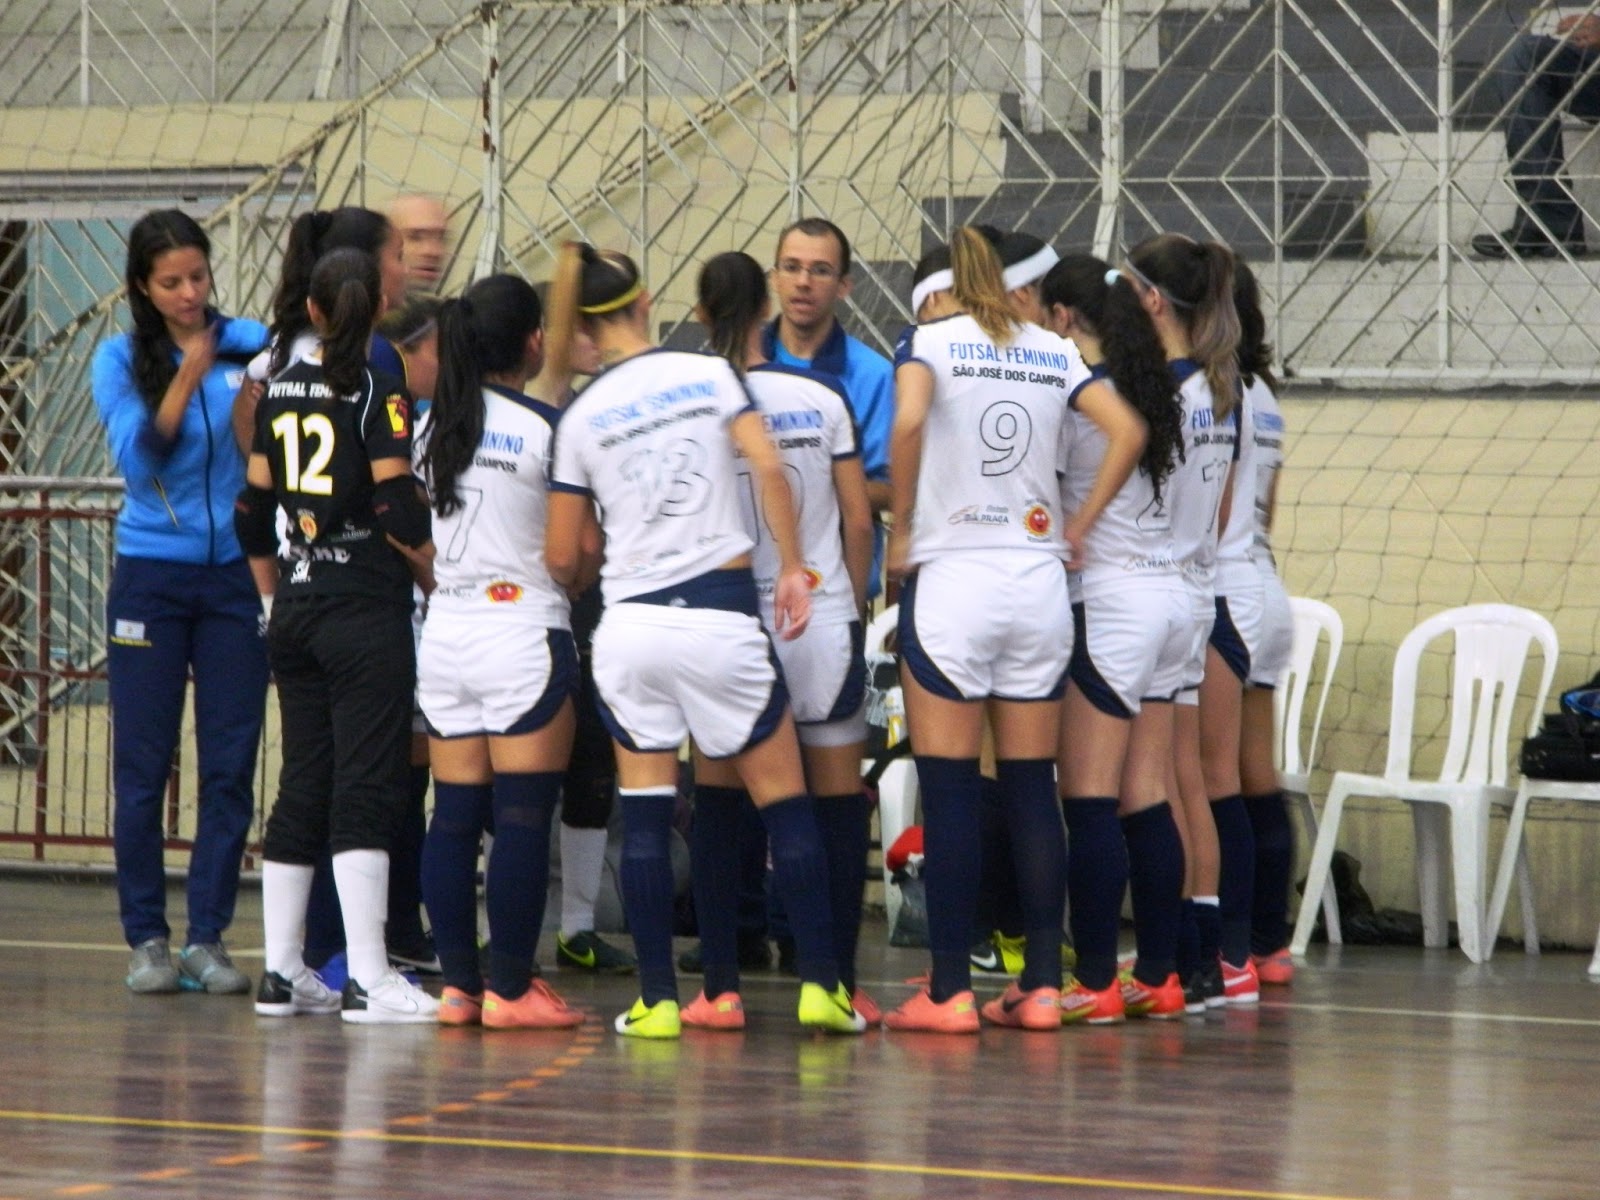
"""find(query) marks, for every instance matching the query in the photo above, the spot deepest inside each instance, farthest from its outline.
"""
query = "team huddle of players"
(1081, 470)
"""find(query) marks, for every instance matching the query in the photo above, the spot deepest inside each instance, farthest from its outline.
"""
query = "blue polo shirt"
(868, 379)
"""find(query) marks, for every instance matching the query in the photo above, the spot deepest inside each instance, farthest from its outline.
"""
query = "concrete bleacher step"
(1403, 181)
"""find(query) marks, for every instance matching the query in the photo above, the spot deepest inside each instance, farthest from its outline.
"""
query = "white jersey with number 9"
(995, 437)
(648, 440)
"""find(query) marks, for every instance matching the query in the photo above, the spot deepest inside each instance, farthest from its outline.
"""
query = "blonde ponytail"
(980, 286)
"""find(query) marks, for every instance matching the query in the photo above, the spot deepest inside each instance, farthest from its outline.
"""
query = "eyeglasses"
(794, 268)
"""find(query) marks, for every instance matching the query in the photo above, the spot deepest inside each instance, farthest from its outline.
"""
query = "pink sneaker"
(1039, 1009)
(1240, 985)
(1275, 969)
(457, 1007)
(725, 1013)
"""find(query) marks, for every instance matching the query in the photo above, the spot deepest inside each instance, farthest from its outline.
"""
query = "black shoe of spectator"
(754, 955)
(1527, 241)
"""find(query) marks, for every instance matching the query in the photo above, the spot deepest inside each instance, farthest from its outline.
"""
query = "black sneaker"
(985, 957)
(587, 951)
(1528, 241)
(417, 956)
(755, 954)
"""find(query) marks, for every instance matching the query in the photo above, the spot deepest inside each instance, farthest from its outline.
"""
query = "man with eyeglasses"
(811, 276)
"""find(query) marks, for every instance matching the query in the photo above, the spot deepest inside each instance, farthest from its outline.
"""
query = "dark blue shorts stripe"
(772, 715)
(1086, 675)
(1227, 642)
(922, 668)
(563, 685)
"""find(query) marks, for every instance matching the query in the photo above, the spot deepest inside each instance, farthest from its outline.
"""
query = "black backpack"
(1567, 746)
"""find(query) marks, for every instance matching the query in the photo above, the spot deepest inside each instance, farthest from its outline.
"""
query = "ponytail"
(313, 235)
(1255, 354)
(1197, 279)
(979, 286)
(346, 288)
(484, 333)
(1135, 359)
(732, 292)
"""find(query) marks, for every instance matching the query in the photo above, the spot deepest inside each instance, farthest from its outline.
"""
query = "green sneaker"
(829, 1011)
(658, 1021)
(587, 951)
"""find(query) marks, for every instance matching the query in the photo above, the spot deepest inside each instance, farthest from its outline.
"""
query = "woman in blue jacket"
(181, 599)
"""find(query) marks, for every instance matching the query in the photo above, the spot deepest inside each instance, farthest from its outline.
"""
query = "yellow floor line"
(976, 1174)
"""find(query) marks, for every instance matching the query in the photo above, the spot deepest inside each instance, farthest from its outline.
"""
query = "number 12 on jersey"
(289, 428)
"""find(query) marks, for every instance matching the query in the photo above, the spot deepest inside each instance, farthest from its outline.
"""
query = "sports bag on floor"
(1567, 746)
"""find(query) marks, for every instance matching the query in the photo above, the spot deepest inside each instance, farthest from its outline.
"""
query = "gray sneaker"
(207, 968)
(150, 970)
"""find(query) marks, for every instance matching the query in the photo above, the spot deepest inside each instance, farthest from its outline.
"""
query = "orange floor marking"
(490, 1097)
(166, 1173)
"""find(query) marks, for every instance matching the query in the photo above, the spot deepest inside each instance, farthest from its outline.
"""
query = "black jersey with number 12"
(321, 447)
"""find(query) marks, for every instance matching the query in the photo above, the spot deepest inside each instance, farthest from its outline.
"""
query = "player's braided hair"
(346, 290)
(1197, 277)
(732, 296)
(153, 352)
(1134, 356)
(483, 333)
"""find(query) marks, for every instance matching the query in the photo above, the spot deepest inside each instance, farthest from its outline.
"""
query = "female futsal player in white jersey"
(1187, 287)
(1133, 632)
(1261, 455)
(657, 442)
(497, 670)
(980, 539)
(808, 417)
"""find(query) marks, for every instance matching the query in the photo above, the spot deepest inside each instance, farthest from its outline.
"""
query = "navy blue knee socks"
(1274, 839)
(647, 890)
(714, 853)
(1097, 878)
(1039, 856)
(450, 878)
(1237, 882)
(1155, 880)
(844, 824)
(952, 841)
(519, 876)
(800, 874)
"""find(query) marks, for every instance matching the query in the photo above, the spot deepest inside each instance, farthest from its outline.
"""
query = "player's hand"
(895, 556)
(1074, 535)
(791, 604)
(199, 355)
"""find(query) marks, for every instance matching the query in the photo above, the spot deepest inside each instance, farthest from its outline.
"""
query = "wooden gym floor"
(1381, 1073)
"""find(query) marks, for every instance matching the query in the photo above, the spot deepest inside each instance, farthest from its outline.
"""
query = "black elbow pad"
(401, 512)
(255, 521)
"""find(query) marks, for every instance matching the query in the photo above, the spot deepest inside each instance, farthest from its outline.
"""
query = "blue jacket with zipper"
(179, 500)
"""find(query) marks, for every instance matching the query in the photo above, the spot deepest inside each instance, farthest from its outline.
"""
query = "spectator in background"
(181, 599)
(424, 227)
(1541, 77)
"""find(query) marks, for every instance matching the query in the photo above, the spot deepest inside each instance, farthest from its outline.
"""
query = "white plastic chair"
(898, 791)
(1514, 861)
(1313, 620)
(1491, 650)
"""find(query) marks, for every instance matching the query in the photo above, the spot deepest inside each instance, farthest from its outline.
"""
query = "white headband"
(939, 281)
(1032, 268)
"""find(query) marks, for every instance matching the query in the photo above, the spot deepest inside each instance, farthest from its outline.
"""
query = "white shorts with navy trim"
(1132, 645)
(825, 670)
(665, 674)
(1271, 657)
(1202, 616)
(500, 678)
(988, 624)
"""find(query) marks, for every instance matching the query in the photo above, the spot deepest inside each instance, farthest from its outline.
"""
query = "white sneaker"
(305, 994)
(393, 1000)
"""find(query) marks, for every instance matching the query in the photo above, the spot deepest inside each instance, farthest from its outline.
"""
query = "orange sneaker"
(959, 1014)
(537, 1008)
(866, 1008)
(726, 1012)
(1162, 1002)
(1275, 969)
(1039, 1009)
(1104, 1007)
(457, 1007)
(1239, 984)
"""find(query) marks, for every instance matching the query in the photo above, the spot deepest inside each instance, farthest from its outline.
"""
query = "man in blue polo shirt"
(811, 276)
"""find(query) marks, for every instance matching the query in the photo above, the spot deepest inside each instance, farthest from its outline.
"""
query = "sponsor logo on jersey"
(1037, 521)
(308, 524)
(503, 592)
(399, 415)
(973, 514)
(813, 578)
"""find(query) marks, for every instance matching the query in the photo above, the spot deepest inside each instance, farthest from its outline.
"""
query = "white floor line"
(1490, 1018)
(107, 947)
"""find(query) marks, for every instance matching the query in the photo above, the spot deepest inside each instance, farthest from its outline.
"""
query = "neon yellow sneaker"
(659, 1020)
(830, 1011)
(1012, 951)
